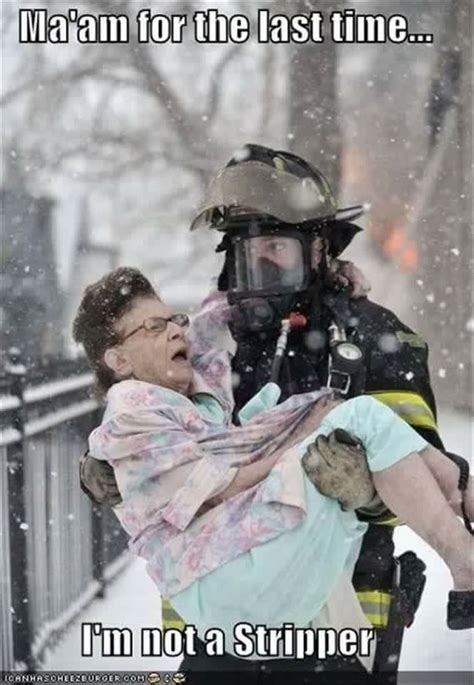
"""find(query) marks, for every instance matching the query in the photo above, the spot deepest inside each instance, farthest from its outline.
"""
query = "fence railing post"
(99, 560)
(98, 551)
(21, 601)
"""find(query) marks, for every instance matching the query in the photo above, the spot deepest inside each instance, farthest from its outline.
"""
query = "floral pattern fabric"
(169, 458)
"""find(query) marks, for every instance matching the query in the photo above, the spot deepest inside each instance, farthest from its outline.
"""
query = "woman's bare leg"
(410, 489)
(420, 490)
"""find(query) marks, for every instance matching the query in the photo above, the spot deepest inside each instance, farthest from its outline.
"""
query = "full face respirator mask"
(267, 273)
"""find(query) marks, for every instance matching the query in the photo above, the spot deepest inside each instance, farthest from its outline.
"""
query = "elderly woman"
(225, 514)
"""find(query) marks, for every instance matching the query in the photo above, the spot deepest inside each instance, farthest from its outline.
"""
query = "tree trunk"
(443, 224)
(314, 124)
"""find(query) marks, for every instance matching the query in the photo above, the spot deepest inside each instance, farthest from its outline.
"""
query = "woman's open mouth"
(180, 356)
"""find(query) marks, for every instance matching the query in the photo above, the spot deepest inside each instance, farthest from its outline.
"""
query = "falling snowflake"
(409, 375)
(455, 251)
(442, 373)
(388, 343)
(470, 325)
(430, 298)
(24, 526)
(242, 154)
(315, 340)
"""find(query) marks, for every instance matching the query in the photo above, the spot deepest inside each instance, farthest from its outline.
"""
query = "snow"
(61, 415)
(132, 601)
(8, 402)
(8, 436)
(48, 390)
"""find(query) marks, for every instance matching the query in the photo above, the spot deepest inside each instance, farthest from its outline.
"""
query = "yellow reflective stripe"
(377, 621)
(375, 596)
(409, 405)
(394, 521)
(419, 420)
(376, 606)
(169, 617)
(179, 625)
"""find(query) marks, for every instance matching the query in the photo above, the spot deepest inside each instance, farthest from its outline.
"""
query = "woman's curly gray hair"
(102, 304)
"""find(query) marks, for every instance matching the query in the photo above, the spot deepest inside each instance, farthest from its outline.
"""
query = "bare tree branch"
(268, 100)
(216, 82)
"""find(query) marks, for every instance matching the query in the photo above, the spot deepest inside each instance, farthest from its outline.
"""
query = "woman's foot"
(460, 609)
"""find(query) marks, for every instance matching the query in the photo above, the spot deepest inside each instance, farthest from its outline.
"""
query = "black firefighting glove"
(98, 481)
(337, 466)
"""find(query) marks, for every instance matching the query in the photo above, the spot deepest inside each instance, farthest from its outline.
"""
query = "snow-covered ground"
(132, 601)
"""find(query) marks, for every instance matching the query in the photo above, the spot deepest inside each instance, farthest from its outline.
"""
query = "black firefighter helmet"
(270, 205)
(266, 200)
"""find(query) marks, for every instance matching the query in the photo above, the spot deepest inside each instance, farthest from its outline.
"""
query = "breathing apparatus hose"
(294, 320)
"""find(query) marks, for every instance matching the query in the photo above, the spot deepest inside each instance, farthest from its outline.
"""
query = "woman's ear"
(118, 361)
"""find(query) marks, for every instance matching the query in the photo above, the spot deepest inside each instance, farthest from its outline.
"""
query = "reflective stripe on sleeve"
(413, 409)
(410, 406)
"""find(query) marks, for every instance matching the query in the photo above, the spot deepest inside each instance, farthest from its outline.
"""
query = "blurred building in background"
(31, 302)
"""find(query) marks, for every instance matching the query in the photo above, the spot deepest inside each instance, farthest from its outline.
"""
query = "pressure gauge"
(346, 357)
(348, 352)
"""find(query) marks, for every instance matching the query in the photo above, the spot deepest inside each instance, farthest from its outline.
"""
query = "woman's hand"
(349, 276)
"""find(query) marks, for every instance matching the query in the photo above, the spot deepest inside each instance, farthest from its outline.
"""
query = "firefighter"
(282, 234)
(272, 206)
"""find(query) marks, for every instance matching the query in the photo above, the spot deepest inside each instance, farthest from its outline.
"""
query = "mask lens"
(269, 263)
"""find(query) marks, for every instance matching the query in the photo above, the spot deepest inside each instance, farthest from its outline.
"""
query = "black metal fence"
(57, 550)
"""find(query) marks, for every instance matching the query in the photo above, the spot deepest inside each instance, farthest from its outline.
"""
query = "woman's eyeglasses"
(158, 324)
